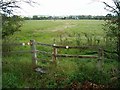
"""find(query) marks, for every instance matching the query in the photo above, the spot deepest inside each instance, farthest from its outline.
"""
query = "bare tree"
(8, 6)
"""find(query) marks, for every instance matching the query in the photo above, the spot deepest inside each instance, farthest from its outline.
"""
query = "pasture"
(46, 31)
(69, 72)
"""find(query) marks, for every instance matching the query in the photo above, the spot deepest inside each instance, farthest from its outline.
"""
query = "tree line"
(72, 17)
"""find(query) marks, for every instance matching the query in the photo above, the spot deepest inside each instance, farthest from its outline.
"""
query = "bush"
(10, 25)
(7, 45)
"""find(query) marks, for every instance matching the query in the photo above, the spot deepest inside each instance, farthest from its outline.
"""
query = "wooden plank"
(26, 51)
(107, 51)
(38, 43)
(77, 56)
(69, 47)
(77, 47)
(13, 44)
(17, 44)
(16, 52)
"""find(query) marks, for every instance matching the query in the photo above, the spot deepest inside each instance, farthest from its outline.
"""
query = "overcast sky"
(65, 7)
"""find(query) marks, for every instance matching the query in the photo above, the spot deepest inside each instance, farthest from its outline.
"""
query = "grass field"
(46, 31)
(17, 69)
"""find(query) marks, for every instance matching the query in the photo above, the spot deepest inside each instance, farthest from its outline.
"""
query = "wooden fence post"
(100, 59)
(54, 54)
(34, 53)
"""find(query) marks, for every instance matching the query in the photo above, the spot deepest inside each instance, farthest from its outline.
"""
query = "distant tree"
(50, 17)
(113, 23)
(35, 17)
(27, 18)
(109, 16)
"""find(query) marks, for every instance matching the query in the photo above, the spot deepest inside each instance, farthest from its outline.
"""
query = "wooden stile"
(34, 53)
(54, 53)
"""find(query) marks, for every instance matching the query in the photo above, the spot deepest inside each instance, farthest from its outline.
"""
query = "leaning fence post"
(34, 53)
(100, 59)
(54, 54)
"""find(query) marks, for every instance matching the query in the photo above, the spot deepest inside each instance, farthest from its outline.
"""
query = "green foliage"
(7, 45)
(113, 23)
(11, 25)
(18, 73)
(10, 80)
(110, 26)
(112, 35)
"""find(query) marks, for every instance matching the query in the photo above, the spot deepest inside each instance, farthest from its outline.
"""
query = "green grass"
(46, 31)
(18, 73)
(17, 69)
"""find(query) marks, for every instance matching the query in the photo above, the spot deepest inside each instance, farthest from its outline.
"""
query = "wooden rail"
(76, 56)
(77, 47)
(55, 54)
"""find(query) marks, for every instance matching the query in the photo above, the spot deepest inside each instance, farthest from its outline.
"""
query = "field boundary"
(54, 54)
